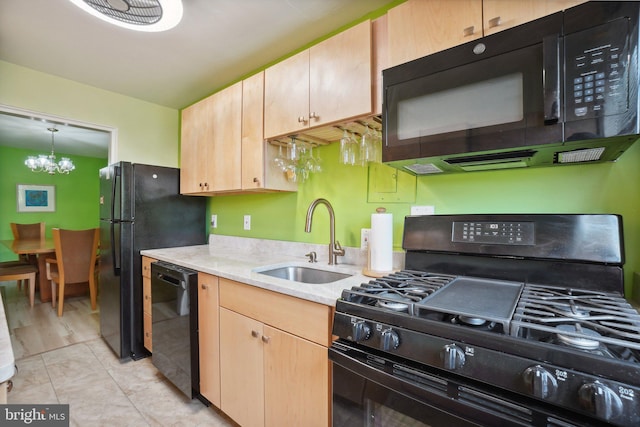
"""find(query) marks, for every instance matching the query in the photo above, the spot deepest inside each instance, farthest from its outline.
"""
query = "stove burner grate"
(398, 291)
(609, 318)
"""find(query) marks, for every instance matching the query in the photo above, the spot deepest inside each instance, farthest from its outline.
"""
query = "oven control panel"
(494, 233)
(581, 392)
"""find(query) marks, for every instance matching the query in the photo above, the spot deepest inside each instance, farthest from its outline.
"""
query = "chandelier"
(47, 163)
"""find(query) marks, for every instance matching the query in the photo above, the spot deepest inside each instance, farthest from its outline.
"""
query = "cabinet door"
(500, 14)
(340, 76)
(253, 148)
(209, 337)
(286, 96)
(421, 27)
(298, 369)
(146, 302)
(147, 327)
(241, 369)
(146, 266)
(225, 153)
(196, 135)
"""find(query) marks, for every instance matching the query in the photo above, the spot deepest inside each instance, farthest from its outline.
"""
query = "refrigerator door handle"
(115, 252)
(114, 186)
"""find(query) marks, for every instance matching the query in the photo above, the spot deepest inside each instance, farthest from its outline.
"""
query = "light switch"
(247, 222)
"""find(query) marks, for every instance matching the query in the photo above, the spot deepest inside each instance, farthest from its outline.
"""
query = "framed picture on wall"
(36, 198)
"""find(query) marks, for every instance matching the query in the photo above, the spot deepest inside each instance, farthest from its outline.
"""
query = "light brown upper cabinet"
(223, 148)
(327, 83)
(502, 14)
(421, 27)
(225, 157)
(258, 171)
(210, 145)
(196, 139)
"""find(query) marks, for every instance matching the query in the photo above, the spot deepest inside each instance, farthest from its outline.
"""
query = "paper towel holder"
(367, 270)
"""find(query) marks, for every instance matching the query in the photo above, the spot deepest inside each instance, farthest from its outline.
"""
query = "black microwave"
(562, 89)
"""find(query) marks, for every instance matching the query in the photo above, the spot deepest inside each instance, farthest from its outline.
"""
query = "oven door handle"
(551, 79)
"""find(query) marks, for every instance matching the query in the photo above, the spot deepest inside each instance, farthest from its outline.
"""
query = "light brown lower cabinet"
(274, 368)
(208, 337)
(146, 302)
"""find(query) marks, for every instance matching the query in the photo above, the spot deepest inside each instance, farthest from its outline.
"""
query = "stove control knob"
(360, 331)
(390, 339)
(540, 382)
(600, 400)
(452, 356)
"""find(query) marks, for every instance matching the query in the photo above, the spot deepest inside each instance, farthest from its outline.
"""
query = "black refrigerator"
(140, 208)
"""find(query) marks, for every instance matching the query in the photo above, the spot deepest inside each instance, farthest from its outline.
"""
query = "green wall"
(597, 188)
(77, 194)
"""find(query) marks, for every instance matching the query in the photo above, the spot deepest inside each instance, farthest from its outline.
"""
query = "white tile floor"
(102, 391)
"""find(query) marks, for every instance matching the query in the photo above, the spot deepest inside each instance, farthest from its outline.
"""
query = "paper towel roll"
(381, 242)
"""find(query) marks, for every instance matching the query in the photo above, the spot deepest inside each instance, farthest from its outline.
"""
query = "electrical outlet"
(247, 222)
(214, 221)
(365, 234)
(423, 210)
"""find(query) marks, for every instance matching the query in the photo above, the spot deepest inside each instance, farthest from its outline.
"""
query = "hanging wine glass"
(345, 148)
(353, 153)
(279, 160)
(366, 153)
(314, 162)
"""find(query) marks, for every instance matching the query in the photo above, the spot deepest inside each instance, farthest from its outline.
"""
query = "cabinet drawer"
(300, 317)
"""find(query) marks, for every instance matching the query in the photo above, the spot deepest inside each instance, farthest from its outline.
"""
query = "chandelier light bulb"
(47, 163)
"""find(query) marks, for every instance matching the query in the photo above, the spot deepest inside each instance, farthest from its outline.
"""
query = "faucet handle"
(338, 250)
(312, 256)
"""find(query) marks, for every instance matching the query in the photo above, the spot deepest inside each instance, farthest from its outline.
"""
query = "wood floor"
(39, 329)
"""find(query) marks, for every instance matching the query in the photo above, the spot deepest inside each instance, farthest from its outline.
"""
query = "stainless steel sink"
(305, 274)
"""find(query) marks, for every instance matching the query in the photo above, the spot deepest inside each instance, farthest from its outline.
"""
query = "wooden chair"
(75, 262)
(14, 270)
(33, 231)
(28, 231)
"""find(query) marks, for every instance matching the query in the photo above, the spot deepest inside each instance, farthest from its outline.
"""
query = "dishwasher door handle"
(171, 281)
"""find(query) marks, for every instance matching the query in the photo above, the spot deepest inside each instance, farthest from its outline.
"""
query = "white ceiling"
(217, 42)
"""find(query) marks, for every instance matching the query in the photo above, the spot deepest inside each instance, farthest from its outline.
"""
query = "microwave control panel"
(597, 80)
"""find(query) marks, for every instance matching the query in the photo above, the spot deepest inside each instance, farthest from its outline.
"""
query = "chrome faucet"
(335, 250)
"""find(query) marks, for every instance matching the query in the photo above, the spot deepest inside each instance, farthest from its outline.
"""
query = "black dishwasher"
(174, 299)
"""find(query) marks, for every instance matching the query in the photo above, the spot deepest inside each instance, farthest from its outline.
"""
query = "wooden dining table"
(42, 248)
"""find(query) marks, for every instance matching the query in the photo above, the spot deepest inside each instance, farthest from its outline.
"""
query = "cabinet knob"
(313, 115)
(468, 31)
(204, 286)
(255, 334)
(494, 22)
(256, 180)
(301, 119)
(266, 339)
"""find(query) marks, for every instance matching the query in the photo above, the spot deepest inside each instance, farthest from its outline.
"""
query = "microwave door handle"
(551, 78)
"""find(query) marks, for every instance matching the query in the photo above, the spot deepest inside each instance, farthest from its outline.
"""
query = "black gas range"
(496, 320)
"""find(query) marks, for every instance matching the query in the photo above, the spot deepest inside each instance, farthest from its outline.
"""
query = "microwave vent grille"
(578, 156)
(423, 169)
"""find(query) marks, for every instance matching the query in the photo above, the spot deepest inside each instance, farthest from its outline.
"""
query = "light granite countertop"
(7, 361)
(238, 258)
